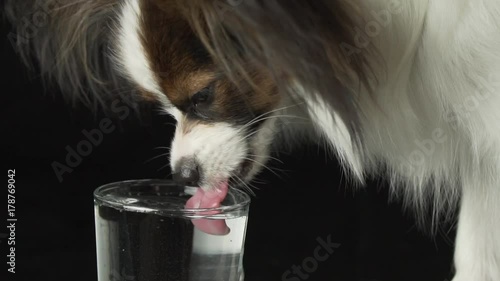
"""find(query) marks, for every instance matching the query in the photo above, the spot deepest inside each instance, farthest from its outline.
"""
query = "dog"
(405, 89)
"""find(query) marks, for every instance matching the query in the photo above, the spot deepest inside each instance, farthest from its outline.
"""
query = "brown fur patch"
(295, 40)
(183, 67)
(176, 56)
(233, 100)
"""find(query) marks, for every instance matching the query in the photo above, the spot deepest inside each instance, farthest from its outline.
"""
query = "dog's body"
(406, 88)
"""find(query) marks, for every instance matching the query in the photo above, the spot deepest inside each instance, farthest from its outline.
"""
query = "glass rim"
(97, 194)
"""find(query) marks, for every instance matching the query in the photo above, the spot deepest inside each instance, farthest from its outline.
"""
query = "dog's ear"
(311, 43)
(69, 42)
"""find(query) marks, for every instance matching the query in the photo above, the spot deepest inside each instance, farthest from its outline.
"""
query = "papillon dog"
(404, 89)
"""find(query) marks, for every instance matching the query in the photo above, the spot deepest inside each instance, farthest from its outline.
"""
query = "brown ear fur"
(295, 40)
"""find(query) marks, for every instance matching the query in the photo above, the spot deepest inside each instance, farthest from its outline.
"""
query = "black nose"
(187, 172)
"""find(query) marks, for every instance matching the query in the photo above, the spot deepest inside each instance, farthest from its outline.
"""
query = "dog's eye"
(200, 103)
(202, 97)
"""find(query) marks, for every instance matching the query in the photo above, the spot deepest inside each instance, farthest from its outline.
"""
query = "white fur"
(435, 125)
(217, 148)
(131, 55)
(220, 148)
(333, 129)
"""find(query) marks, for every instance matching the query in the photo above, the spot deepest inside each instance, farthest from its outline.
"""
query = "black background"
(307, 200)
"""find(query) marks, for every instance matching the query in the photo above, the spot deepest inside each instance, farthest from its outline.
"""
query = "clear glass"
(144, 233)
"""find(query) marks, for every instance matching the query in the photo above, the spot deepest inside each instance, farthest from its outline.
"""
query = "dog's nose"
(187, 172)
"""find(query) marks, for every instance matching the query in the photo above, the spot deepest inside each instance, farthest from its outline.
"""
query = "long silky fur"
(239, 33)
(69, 43)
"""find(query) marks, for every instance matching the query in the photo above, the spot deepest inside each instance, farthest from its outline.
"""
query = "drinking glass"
(144, 232)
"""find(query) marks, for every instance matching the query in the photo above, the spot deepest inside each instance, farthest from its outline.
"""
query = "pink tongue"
(209, 199)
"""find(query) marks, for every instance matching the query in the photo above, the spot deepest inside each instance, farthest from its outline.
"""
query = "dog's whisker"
(259, 182)
(156, 157)
(275, 110)
(244, 185)
(250, 123)
(163, 147)
(270, 157)
(256, 119)
(163, 167)
(263, 166)
(245, 137)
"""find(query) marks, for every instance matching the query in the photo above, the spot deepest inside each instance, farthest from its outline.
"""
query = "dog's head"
(224, 129)
(225, 125)
(221, 68)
